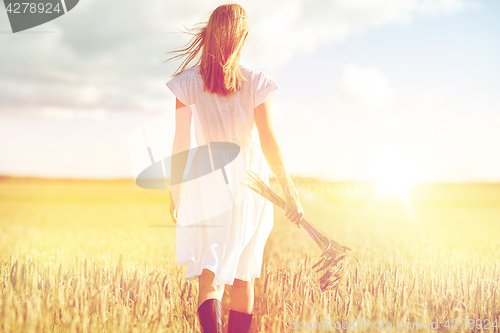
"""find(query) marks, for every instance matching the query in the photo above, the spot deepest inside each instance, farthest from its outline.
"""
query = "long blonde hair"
(220, 41)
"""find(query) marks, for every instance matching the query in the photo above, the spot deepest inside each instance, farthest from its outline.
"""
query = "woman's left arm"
(182, 143)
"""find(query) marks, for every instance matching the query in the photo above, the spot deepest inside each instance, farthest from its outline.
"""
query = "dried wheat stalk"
(334, 254)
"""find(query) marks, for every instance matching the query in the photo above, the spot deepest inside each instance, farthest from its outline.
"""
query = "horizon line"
(465, 182)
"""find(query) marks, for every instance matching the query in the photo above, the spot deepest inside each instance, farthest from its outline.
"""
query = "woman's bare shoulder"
(190, 72)
(252, 72)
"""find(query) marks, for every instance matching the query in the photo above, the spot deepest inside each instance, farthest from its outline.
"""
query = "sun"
(395, 173)
(395, 182)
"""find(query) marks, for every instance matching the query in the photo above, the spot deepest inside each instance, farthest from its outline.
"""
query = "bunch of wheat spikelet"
(334, 255)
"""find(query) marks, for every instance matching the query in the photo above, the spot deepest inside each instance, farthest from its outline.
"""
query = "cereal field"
(99, 256)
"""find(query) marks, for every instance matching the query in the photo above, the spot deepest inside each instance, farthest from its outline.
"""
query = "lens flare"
(395, 172)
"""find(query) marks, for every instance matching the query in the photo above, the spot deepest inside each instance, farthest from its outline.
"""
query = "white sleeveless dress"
(223, 226)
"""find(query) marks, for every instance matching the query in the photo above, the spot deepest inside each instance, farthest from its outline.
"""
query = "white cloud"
(62, 114)
(118, 47)
(364, 86)
(446, 7)
(282, 29)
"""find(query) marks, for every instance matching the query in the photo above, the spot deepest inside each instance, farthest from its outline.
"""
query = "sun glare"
(394, 173)
(395, 182)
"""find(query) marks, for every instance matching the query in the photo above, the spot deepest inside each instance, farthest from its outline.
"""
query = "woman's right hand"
(173, 210)
(293, 209)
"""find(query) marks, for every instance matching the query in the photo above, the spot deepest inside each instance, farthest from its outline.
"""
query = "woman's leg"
(241, 307)
(209, 303)
(207, 290)
(242, 296)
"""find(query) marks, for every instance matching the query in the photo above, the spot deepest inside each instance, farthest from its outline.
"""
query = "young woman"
(228, 102)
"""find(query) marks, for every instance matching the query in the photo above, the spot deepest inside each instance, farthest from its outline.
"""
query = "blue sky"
(406, 87)
(451, 61)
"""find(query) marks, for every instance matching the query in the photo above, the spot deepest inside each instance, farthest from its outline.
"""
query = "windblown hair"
(220, 41)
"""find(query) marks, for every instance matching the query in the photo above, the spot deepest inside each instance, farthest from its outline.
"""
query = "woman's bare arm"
(182, 143)
(274, 157)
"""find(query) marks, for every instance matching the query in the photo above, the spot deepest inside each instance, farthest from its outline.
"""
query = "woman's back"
(224, 118)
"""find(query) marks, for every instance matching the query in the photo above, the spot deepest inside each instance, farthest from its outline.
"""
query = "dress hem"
(221, 282)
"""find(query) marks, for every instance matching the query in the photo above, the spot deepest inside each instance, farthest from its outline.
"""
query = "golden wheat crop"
(99, 256)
